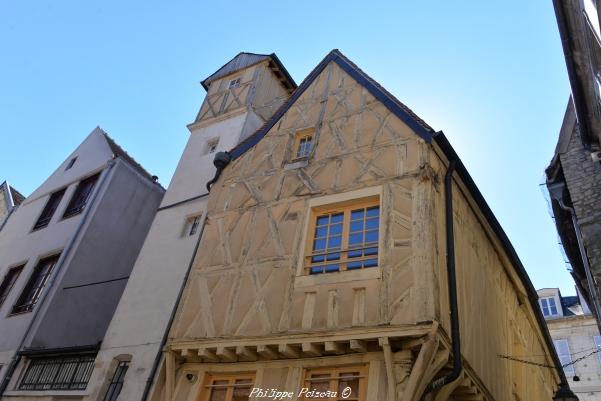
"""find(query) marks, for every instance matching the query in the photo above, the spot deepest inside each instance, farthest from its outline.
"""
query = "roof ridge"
(118, 151)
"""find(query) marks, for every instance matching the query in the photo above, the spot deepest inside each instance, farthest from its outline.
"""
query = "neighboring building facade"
(574, 183)
(65, 256)
(323, 264)
(575, 335)
(10, 198)
(241, 95)
(574, 176)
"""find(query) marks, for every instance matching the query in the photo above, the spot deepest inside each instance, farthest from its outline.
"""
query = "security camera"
(191, 377)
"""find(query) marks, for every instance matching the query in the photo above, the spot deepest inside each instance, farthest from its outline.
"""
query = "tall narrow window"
(81, 196)
(227, 388)
(116, 382)
(344, 238)
(549, 307)
(303, 143)
(348, 383)
(49, 209)
(8, 282)
(563, 352)
(192, 224)
(32, 291)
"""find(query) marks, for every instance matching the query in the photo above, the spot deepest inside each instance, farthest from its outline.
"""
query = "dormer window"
(234, 83)
(549, 307)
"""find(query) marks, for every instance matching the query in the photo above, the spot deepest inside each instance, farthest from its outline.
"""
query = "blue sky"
(490, 74)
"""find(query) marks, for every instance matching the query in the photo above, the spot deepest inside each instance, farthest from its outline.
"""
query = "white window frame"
(597, 341)
(564, 357)
(545, 303)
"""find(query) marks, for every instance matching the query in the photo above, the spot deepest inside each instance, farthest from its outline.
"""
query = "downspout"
(557, 193)
(222, 159)
(17, 357)
(452, 286)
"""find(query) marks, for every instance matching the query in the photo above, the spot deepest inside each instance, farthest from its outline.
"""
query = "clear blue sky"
(490, 74)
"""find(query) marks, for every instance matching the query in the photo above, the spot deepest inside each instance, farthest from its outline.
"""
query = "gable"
(377, 91)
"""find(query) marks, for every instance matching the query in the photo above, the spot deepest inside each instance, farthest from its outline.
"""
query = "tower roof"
(244, 60)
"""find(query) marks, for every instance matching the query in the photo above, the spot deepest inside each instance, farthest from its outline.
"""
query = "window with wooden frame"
(49, 209)
(81, 196)
(343, 237)
(337, 383)
(9, 281)
(230, 387)
(32, 291)
(303, 143)
(234, 83)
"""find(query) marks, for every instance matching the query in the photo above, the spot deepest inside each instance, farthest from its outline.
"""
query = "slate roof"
(118, 151)
(243, 60)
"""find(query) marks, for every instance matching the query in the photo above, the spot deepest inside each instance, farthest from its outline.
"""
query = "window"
(71, 163)
(563, 352)
(212, 145)
(303, 143)
(192, 224)
(597, 340)
(227, 388)
(8, 282)
(318, 382)
(548, 306)
(81, 196)
(70, 372)
(344, 238)
(117, 382)
(234, 83)
(32, 291)
(591, 16)
(49, 209)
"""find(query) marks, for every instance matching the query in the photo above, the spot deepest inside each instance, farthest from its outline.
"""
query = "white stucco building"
(66, 253)
(241, 96)
(575, 335)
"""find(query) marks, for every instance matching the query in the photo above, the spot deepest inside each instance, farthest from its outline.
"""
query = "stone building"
(241, 95)
(574, 183)
(10, 198)
(65, 256)
(345, 249)
(574, 177)
(575, 335)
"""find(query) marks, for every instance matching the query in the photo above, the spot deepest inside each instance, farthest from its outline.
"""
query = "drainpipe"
(556, 191)
(61, 262)
(222, 159)
(452, 285)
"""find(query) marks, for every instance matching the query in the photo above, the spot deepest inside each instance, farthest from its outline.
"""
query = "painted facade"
(240, 96)
(576, 338)
(65, 255)
(268, 304)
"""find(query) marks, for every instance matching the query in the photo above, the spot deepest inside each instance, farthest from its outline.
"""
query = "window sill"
(75, 394)
(297, 163)
(338, 277)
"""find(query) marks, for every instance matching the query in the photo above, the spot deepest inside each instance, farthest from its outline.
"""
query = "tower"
(241, 96)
